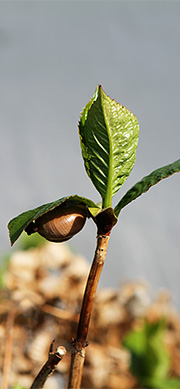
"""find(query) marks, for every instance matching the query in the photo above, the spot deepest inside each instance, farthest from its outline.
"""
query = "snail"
(60, 224)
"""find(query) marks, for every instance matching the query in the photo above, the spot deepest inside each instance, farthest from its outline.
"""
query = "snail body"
(60, 224)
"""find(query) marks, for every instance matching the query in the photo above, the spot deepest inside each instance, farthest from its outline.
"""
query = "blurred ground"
(41, 300)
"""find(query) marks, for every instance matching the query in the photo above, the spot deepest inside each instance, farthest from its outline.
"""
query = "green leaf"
(109, 136)
(145, 184)
(19, 223)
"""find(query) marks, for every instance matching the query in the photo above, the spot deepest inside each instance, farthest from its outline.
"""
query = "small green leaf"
(19, 223)
(145, 184)
(109, 136)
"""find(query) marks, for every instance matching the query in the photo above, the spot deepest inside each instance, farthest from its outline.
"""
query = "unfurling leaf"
(109, 136)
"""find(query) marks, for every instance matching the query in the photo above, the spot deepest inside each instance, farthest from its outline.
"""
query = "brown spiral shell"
(61, 224)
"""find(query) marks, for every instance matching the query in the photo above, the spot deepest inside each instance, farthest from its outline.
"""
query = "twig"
(8, 347)
(78, 350)
(53, 359)
(60, 313)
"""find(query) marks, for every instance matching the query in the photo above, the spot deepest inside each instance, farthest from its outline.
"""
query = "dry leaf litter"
(44, 287)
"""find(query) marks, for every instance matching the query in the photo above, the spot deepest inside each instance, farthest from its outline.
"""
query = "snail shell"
(61, 224)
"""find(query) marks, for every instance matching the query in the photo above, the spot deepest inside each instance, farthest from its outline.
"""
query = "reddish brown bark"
(78, 351)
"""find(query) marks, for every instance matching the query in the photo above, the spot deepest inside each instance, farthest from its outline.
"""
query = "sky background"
(52, 56)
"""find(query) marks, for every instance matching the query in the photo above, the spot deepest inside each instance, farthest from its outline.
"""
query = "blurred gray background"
(52, 56)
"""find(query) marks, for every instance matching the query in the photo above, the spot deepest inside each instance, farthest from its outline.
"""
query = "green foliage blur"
(26, 242)
(150, 359)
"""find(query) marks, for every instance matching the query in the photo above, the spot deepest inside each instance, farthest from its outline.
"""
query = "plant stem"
(53, 359)
(78, 351)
